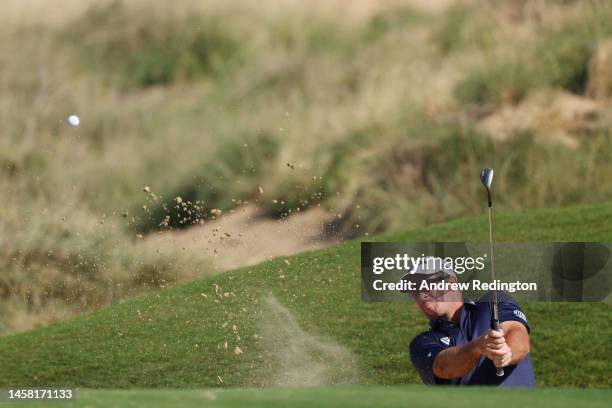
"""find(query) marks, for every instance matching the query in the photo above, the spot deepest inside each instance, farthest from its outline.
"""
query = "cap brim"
(414, 277)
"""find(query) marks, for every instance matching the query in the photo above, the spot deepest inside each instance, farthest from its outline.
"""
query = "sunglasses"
(433, 293)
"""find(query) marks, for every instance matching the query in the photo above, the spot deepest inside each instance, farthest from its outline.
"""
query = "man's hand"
(494, 346)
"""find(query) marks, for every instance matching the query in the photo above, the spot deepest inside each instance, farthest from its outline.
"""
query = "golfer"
(460, 348)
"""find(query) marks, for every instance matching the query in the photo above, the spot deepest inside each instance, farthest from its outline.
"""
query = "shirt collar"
(440, 322)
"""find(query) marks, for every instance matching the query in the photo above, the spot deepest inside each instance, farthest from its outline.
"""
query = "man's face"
(436, 303)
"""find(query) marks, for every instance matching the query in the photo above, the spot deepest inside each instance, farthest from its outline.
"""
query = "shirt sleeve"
(423, 351)
(510, 310)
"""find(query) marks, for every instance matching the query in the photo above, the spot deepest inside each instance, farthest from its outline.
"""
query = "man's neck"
(454, 312)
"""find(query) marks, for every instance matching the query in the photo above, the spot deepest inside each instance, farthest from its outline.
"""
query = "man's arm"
(455, 362)
(505, 347)
(508, 346)
(517, 339)
(515, 345)
(513, 323)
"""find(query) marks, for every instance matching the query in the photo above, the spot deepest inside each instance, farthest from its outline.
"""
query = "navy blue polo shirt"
(475, 320)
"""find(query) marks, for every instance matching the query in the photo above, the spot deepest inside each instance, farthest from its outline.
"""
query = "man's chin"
(430, 310)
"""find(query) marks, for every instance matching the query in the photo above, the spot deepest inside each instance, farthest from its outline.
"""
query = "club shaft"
(499, 370)
(495, 311)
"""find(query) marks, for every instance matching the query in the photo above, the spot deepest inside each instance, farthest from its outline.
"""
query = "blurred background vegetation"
(380, 112)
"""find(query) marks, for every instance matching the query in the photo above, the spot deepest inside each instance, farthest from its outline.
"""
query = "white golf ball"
(73, 120)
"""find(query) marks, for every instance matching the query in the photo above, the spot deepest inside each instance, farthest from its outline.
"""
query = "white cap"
(430, 265)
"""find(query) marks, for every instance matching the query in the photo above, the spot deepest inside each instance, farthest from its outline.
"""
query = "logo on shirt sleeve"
(520, 314)
(445, 340)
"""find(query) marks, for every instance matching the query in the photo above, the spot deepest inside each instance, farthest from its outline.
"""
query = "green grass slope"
(341, 396)
(187, 336)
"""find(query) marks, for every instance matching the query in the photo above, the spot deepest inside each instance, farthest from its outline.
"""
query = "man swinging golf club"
(469, 343)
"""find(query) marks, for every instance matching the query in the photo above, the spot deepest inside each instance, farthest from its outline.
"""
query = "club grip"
(499, 371)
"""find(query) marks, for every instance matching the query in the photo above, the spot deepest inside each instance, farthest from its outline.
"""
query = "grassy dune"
(373, 113)
(226, 330)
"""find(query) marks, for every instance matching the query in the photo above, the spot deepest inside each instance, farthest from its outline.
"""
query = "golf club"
(486, 177)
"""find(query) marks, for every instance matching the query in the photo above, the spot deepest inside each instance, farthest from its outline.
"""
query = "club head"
(486, 177)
